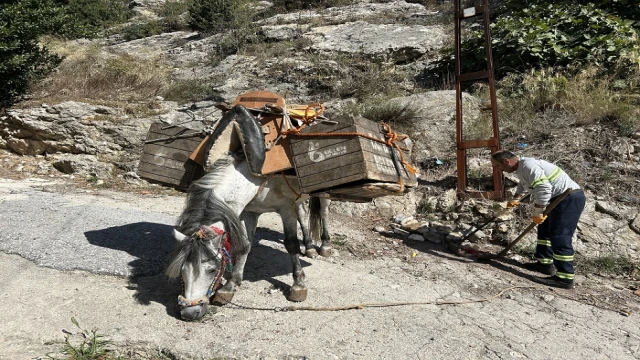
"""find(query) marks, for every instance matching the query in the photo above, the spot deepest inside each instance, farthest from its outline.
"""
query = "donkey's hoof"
(222, 297)
(298, 294)
(311, 253)
(325, 251)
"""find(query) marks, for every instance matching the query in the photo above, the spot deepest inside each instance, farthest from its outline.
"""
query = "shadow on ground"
(266, 262)
(151, 244)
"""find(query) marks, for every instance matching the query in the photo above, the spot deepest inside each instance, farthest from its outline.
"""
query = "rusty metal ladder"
(492, 143)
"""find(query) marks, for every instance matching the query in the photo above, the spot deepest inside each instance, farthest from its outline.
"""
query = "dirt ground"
(407, 299)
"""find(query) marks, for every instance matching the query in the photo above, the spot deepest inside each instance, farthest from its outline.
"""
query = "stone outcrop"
(76, 138)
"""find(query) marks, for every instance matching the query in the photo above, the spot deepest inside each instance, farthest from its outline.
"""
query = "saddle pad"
(278, 155)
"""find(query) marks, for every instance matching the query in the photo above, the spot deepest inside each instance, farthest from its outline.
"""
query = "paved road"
(110, 234)
(98, 258)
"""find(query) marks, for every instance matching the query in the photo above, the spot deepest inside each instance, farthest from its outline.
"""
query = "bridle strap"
(225, 254)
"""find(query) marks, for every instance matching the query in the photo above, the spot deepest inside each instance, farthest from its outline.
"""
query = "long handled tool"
(526, 231)
(488, 222)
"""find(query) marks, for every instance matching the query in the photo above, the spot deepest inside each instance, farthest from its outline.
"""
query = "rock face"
(604, 232)
(436, 121)
(99, 141)
(362, 10)
(70, 127)
(401, 43)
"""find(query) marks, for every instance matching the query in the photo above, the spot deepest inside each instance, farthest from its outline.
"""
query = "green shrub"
(87, 18)
(88, 345)
(173, 8)
(586, 97)
(141, 30)
(216, 16)
(233, 17)
(22, 60)
(626, 9)
(545, 33)
(382, 109)
(173, 15)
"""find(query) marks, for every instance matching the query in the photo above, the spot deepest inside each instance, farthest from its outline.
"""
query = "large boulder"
(401, 43)
(433, 131)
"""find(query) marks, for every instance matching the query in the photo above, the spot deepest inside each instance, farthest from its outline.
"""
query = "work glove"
(513, 203)
(538, 216)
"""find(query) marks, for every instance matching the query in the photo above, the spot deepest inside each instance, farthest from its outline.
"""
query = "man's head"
(505, 160)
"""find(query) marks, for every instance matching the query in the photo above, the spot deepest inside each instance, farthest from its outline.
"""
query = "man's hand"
(513, 203)
(538, 216)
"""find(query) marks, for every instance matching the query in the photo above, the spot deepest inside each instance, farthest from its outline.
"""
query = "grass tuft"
(383, 109)
(90, 346)
(610, 264)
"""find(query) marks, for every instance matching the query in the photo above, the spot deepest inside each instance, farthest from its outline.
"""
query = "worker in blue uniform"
(545, 182)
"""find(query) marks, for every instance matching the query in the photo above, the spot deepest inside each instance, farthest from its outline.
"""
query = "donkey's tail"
(315, 218)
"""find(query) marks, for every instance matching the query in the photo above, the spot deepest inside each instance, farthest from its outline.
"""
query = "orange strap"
(317, 108)
(392, 140)
(290, 187)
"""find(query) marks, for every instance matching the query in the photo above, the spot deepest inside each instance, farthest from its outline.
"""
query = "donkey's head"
(200, 260)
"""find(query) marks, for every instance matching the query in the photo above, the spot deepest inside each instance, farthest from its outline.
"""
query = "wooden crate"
(347, 167)
(165, 156)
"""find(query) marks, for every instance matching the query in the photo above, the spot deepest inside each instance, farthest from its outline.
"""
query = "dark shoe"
(555, 282)
(541, 268)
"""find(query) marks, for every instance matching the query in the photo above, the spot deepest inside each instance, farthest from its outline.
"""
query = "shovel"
(526, 231)
(489, 221)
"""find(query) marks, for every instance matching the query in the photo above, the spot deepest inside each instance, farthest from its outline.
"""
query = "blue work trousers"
(555, 234)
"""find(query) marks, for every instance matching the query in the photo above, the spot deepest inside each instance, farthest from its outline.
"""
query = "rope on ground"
(383, 304)
(624, 312)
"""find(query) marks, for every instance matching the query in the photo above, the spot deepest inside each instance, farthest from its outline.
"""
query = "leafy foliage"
(626, 9)
(553, 34)
(142, 30)
(216, 16)
(562, 34)
(88, 18)
(232, 17)
(22, 59)
(172, 13)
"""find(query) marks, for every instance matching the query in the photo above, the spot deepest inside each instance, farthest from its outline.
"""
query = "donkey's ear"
(179, 236)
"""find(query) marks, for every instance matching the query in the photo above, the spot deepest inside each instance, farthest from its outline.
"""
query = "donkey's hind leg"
(325, 248)
(225, 293)
(290, 224)
(318, 220)
(309, 248)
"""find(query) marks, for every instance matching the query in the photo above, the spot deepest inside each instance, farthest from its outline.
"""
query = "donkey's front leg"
(225, 293)
(298, 289)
